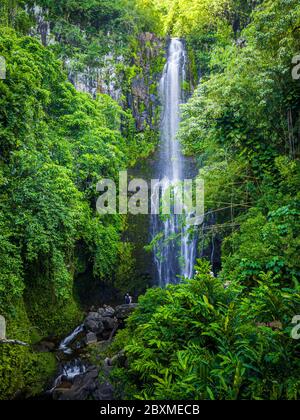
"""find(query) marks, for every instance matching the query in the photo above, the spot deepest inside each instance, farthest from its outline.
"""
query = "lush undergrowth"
(199, 340)
(230, 337)
(243, 125)
(224, 337)
(55, 145)
(22, 370)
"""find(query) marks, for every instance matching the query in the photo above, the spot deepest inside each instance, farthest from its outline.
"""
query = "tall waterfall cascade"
(175, 248)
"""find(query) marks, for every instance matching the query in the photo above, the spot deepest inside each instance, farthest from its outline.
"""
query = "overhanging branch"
(14, 342)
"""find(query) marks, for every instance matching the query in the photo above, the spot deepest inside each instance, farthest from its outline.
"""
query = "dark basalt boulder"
(91, 338)
(108, 311)
(109, 323)
(101, 311)
(85, 386)
(93, 323)
(123, 311)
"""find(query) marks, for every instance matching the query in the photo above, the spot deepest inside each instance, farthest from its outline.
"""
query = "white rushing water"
(69, 369)
(65, 344)
(175, 252)
(68, 372)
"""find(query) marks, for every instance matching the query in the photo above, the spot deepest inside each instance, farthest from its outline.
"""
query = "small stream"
(77, 377)
(68, 353)
(65, 344)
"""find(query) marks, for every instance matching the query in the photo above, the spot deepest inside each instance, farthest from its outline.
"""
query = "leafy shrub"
(199, 340)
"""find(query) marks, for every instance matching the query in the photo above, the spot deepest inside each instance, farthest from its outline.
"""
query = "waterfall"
(175, 247)
(65, 344)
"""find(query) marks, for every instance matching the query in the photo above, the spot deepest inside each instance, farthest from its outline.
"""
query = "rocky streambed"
(78, 378)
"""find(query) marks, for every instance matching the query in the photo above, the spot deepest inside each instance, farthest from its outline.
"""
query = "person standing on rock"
(128, 299)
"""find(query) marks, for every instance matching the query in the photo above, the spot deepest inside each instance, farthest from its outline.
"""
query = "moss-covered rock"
(21, 369)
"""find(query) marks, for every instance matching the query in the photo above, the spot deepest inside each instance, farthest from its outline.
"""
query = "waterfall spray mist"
(175, 249)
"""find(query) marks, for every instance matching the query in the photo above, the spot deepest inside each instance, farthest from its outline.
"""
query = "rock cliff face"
(131, 78)
(103, 78)
(143, 98)
(42, 27)
(131, 81)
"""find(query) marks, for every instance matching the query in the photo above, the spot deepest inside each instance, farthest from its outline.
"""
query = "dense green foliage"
(96, 38)
(210, 338)
(198, 340)
(247, 135)
(207, 338)
(55, 144)
(21, 369)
